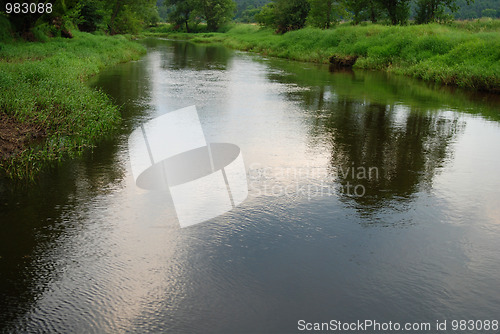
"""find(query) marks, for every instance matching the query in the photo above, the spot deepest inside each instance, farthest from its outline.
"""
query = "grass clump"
(464, 54)
(43, 85)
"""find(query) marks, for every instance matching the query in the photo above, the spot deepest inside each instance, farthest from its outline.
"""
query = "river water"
(371, 197)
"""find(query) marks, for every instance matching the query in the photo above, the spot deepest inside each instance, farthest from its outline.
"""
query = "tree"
(130, 15)
(363, 10)
(216, 12)
(373, 9)
(246, 9)
(397, 10)
(290, 14)
(248, 15)
(266, 16)
(115, 16)
(92, 15)
(488, 12)
(181, 12)
(324, 12)
(118, 5)
(164, 10)
(434, 10)
(357, 9)
(474, 9)
(23, 23)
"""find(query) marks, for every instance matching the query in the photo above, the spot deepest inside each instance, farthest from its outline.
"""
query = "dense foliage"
(434, 10)
(130, 16)
(285, 15)
(325, 13)
(247, 9)
(111, 16)
(187, 14)
(477, 9)
(364, 10)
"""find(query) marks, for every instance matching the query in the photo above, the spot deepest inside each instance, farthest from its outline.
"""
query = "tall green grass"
(461, 54)
(43, 84)
(480, 25)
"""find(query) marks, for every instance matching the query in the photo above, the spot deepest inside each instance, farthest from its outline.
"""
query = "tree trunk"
(373, 16)
(329, 14)
(117, 8)
(434, 10)
(393, 15)
(23, 24)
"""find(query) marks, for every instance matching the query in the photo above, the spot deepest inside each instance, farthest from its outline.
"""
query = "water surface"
(85, 250)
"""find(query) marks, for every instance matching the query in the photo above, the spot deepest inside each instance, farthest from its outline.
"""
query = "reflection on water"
(85, 250)
(407, 147)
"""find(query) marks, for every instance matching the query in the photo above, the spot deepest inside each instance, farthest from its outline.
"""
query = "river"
(371, 197)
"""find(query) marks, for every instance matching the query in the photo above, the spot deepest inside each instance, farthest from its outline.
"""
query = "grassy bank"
(460, 54)
(43, 95)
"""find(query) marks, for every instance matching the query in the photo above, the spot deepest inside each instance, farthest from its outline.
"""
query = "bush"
(42, 32)
(491, 13)
(5, 30)
(91, 17)
(127, 22)
(266, 17)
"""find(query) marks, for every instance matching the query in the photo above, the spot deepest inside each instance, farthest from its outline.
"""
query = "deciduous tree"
(216, 12)
(267, 15)
(181, 12)
(290, 14)
(324, 12)
(363, 10)
(434, 10)
(398, 11)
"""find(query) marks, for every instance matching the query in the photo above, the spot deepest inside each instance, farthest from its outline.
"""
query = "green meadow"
(43, 85)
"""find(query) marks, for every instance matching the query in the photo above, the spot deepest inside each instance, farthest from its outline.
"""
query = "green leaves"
(215, 13)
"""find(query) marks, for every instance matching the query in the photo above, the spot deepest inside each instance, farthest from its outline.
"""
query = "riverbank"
(47, 110)
(460, 54)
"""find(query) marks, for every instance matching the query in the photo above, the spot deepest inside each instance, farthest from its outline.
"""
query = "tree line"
(183, 14)
(286, 15)
(482, 8)
(130, 16)
(358, 11)
(110, 16)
